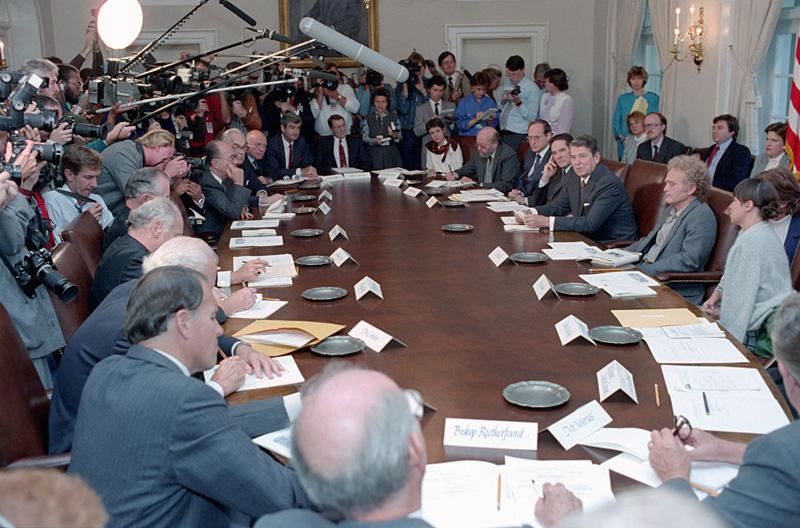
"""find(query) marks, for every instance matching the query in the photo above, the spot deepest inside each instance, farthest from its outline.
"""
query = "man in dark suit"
(685, 233)
(437, 105)
(160, 447)
(340, 150)
(288, 154)
(554, 174)
(103, 335)
(143, 185)
(223, 186)
(150, 225)
(495, 166)
(658, 147)
(536, 158)
(728, 161)
(595, 203)
(254, 163)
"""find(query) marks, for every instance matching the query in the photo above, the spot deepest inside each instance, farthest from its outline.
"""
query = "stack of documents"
(260, 310)
(346, 170)
(623, 284)
(255, 224)
(479, 195)
(256, 241)
(279, 442)
(570, 251)
(278, 267)
(616, 257)
(289, 332)
(279, 184)
(703, 342)
(507, 207)
(291, 376)
(726, 399)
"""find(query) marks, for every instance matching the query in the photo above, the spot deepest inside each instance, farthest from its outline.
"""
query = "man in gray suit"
(435, 106)
(160, 447)
(223, 186)
(594, 202)
(684, 236)
(536, 159)
(495, 166)
(766, 492)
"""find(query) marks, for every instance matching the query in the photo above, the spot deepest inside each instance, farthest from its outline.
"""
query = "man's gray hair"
(40, 67)
(184, 251)
(379, 466)
(157, 296)
(144, 181)
(786, 335)
(225, 137)
(156, 210)
(586, 141)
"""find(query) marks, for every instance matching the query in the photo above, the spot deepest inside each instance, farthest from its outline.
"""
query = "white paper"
(357, 176)
(494, 434)
(254, 224)
(345, 170)
(570, 328)
(333, 177)
(290, 376)
(260, 310)
(704, 329)
(258, 232)
(614, 377)
(706, 350)
(542, 286)
(579, 424)
(732, 412)
(412, 191)
(223, 279)
(279, 442)
(340, 256)
(367, 285)
(629, 440)
(325, 195)
(519, 228)
(278, 216)
(256, 241)
(509, 220)
(482, 196)
(435, 184)
(271, 282)
(498, 256)
(393, 182)
(430, 202)
(277, 265)
(337, 231)
(622, 284)
(324, 207)
(724, 379)
(372, 336)
(507, 207)
(288, 337)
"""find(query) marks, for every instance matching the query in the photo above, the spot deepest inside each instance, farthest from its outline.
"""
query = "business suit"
(551, 190)
(100, 336)
(766, 492)
(792, 238)
(733, 166)
(603, 215)
(275, 159)
(252, 170)
(668, 149)
(326, 160)
(687, 248)
(224, 202)
(309, 519)
(122, 262)
(527, 182)
(505, 168)
(760, 164)
(424, 113)
(162, 449)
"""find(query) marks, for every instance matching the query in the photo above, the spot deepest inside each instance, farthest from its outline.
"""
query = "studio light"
(119, 22)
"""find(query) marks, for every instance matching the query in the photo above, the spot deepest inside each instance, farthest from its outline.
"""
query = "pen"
(604, 270)
(705, 404)
(705, 489)
(658, 396)
(535, 487)
(498, 491)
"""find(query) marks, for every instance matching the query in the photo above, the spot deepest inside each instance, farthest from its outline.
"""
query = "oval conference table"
(471, 328)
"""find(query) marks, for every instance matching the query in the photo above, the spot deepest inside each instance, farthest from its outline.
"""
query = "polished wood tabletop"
(470, 328)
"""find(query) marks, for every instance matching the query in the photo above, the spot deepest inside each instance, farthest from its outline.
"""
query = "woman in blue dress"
(638, 99)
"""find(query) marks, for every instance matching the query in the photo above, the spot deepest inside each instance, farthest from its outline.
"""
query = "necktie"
(661, 238)
(487, 176)
(711, 156)
(450, 83)
(291, 156)
(583, 190)
(436, 109)
(342, 155)
(535, 166)
(655, 152)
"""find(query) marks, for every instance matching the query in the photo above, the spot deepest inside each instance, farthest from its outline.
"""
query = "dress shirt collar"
(285, 143)
(657, 143)
(175, 360)
(434, 103)
(542, 153)
(217, 178)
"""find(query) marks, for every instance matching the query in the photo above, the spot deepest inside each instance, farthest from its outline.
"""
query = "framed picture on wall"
(349, 17)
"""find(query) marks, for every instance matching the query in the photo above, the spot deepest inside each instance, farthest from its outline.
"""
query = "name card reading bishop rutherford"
(493, 434)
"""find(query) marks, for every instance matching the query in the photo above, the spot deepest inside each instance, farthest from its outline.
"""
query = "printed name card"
(542, 286)
(324, 207)
(576, 426)
(498, 256)
(393, 182)
(493, 434)
(372, 336)
(367, 285)
(325, 195)
(571, 327)
(614, 377)
(340, 256)
(432, 201)
(337, 231)
(412, 191)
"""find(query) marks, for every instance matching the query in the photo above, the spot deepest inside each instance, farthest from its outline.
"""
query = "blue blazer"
(733, 167)
(523, 182)
(275, 160)
(356, 154)
(792, 238)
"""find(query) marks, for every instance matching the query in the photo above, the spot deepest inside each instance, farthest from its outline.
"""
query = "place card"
(498, 256)
(340, 256)
(571, 327)
(494, 434)
(412, 191)
(337, 231)
(325, 195)
(324, 207)
(573, 428)
(432, 201)
(614, 377)
(367, 285)
(372, 336)
(542, 286)
(393, 182)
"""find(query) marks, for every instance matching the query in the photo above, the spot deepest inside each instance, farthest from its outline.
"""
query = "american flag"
(793, 131)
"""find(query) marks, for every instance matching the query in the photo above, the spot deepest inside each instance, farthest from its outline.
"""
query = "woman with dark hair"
(756, 279)
(774, 154)
(556, 106)
(442, 153)
(787, 223)
(637, 100)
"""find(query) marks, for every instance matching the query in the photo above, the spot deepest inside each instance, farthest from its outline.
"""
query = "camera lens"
(58, 284)
(89, 130)
(50, 152)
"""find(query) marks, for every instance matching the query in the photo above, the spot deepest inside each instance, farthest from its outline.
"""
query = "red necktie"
(711, 156)
(291, 156)
(342, 155)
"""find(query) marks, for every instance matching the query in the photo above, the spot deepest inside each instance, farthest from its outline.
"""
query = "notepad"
(290, 376)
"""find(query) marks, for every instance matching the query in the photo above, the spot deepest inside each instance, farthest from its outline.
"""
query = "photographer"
(48, 72)
(333, 97)
(71, 86)
(411, 94)
(33, 316)
(369, 80)
(288, 98)
(210, 115)
(244, 107)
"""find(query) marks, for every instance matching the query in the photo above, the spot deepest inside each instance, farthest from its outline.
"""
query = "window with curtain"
(646, 55)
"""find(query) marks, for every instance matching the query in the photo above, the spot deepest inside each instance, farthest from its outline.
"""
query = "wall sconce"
(3, 63)
(694, 36)
(367, 3)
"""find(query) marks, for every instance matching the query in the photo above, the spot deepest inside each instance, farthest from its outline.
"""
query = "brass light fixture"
(693, 36)
(366, 3)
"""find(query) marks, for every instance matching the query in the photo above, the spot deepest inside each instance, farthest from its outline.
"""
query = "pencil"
(498, 491)
(705, 489)
(658, 396)
(221, 353)
(705, 404)
(604, 270)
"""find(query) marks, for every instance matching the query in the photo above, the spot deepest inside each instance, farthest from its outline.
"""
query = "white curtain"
(754, 24)
(630, 16)
(661, 12)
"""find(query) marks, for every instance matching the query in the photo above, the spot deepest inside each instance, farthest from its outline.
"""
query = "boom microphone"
(270, 34)
(238, 12)
(349, 47)
(312, 74)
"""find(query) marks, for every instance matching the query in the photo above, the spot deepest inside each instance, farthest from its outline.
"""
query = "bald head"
(486, 141)
(256, 144)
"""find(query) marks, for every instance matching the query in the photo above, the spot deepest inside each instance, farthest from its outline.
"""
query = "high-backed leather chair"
(618, 168)
(468, 146)
(69, 263)
(644, 181)
(23, 405)
(87, 236)
(523, 149)
(187, 226)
